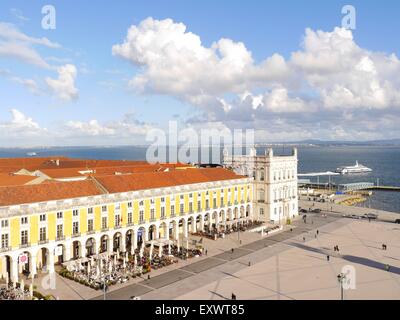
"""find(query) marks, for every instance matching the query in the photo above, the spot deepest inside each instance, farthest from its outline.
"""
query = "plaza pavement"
(282, 265)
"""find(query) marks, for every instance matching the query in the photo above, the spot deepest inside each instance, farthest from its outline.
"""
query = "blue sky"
(93, 102)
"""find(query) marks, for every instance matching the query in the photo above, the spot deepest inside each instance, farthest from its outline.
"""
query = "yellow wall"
(15, 234)
(97, 218)
(83, 220)
(34, 228)
(51, 226)
(68, 223)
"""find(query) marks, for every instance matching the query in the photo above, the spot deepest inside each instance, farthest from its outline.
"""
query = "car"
(302, 210)
(397, 221)
(354, 216)
(370, 215)
(316, 210)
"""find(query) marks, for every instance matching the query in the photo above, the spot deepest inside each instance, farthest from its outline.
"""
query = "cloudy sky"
(108, 73)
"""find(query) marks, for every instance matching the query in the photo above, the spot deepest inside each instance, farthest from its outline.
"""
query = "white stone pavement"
(303, 271)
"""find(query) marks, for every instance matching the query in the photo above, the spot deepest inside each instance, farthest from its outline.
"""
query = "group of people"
(8, 292)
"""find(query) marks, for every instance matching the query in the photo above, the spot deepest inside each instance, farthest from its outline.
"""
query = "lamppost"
(341, 278)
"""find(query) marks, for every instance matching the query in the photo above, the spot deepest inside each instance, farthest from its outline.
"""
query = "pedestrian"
(327, 258)
(383, 246)
(317, 231)
(249, 263)
(291, 229)
(304, 239)
(232, 250)
(387, 267)
(206, 251)
(233, 296)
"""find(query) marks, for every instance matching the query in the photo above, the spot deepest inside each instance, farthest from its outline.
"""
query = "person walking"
(232, 250)
(233, 296)
(304, 239)
(327, 258)
(317, 232)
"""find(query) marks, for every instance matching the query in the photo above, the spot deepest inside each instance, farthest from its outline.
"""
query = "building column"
(167, 232)
(202, 223)
(134, 241)
(176, 231)
(122, 244)
(67, 252)
(185, 228)
(50, 262)
(14, 270)
(194, 225)
(32, 266)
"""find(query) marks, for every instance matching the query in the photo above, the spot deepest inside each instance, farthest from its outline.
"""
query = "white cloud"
(127, 127)
(20, 127)
(64, 86)
(319, 85)
(91, 128)
(175, 62)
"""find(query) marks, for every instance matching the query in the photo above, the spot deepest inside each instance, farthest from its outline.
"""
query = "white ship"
(357, 168)
(31, 154)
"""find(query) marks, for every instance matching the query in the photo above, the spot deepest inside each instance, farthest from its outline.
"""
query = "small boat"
(31, 154)
(357, 168)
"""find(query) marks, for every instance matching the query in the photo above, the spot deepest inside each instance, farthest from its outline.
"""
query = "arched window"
(262, 174)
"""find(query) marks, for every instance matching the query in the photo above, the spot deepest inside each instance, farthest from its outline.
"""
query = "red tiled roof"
(7, 179)
(151, 180)
(47, 191)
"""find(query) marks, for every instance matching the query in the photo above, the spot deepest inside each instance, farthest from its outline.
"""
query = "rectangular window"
(141, 216)
(4, 223)
(152, 214)
(118, 206)
(130, 218)
(181, 208)
(42, 234)
(222, 201)
(172, 210)
(59, 215)
(199, 205)
(214, 203)
(129, 204)
(4, 240)
(117, 220)
(181, 196)
(42, 217)
(90, 210)
(190, 207)
(24, 237)
(207, 204)
(162, 212)
(24, 220)
(75, 227)
(75, 212)
(104, 208)
(162, 199)
(60, 231)
(90, 225)
(104, 222)
(261, 211)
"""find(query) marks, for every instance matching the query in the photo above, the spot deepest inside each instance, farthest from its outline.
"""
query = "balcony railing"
(130, 224)
(91, 232)
(118, 227)
(60, 238)
(142, 221)
(5, 249)
(172, 215)
(25, 245)
(104, 229)
(76, 235)
(43, 241)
